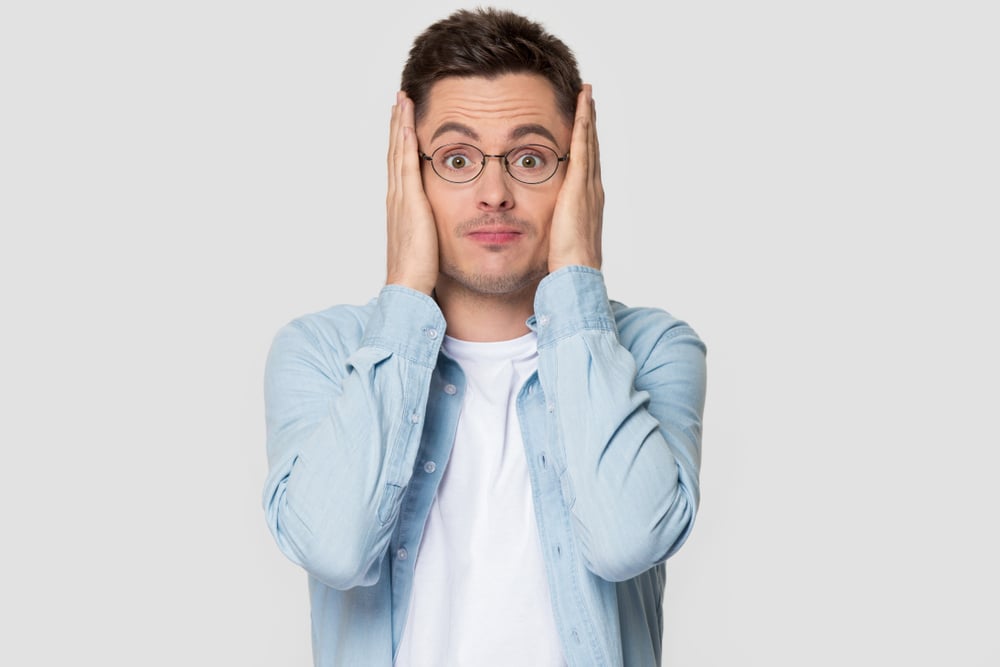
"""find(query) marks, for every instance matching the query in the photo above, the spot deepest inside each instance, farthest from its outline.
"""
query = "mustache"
(492, 220)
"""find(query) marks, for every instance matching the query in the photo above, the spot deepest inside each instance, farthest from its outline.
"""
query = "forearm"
(630, 431)
(343, 429)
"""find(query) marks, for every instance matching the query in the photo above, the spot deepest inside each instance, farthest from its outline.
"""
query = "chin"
(495, 284)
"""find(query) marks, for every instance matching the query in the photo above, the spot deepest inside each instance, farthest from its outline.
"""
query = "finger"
(579, 163)
(397, 160)
(391, 154)
(586, 113)
(594, 144)
(393, 124)
(410, 158)
(413, 185)
(404, 120)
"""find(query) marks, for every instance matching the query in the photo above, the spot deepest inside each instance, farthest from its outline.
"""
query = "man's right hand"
(412, 246)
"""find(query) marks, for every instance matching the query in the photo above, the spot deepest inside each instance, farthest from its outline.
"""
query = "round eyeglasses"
(461, 163)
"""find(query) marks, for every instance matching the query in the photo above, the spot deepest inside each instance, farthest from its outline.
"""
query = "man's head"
(489, 43)
(489, 82)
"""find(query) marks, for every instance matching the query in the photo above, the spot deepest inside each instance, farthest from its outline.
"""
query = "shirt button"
(414, 418)
(401, 554)
(450, 389)
(543, 320)
(430, 467)
(431, 333)
(551, 406)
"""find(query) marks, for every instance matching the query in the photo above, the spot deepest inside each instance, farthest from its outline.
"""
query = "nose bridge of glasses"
(501, 158)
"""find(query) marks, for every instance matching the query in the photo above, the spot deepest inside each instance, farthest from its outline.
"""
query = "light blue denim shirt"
(362, 406)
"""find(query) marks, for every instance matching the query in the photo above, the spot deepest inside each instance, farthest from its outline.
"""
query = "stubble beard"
(491, 284)
(488, 284)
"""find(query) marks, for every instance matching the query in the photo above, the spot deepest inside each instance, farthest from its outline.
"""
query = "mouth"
(495, 235)
(495, 231)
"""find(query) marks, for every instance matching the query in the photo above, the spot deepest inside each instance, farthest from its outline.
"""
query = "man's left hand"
(579, 211)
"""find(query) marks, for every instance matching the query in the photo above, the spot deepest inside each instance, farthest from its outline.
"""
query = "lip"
(495, 235)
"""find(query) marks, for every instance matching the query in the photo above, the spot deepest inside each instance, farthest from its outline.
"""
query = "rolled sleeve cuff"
(408, 323)
(568, 301)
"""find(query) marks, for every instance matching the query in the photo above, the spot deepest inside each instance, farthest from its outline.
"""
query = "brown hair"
(489, 43)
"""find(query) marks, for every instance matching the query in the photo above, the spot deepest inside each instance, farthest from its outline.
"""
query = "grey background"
(813, 185)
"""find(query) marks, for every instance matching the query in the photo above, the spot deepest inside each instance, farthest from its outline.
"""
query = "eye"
(457, 158)
(530, 158)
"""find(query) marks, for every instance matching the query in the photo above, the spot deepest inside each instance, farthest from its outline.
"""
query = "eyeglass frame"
(503, 161)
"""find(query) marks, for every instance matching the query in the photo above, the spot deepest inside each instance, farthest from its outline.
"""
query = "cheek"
(446, 206)
(544, 203)
(435, 194)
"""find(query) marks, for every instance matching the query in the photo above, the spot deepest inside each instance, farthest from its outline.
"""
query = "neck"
(482, 318)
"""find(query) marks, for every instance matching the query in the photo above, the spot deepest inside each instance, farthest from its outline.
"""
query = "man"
(489, 463)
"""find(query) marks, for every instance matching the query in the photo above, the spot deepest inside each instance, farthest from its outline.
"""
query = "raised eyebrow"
(518, 132)
(532, 128)
(452, 126)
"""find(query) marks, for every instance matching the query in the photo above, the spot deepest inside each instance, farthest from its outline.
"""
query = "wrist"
(590, 261)
(417, 283)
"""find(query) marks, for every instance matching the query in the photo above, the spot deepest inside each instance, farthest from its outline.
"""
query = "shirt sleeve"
(344, 403)
(628, 420)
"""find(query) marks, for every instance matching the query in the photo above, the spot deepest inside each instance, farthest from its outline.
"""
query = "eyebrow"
(533, 128)
(455, 127)
(517, 133)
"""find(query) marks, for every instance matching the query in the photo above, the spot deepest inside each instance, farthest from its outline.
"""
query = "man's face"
(493, 232)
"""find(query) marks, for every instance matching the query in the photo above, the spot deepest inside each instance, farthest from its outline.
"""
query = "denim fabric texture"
(362, 406)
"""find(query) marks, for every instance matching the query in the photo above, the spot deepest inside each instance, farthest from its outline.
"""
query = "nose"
(493, 187)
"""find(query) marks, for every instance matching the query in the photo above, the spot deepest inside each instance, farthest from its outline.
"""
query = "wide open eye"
(533, 163)
(457, 160)
(530, 158)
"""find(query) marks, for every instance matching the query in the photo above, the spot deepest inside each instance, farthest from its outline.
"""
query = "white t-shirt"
(480, 595)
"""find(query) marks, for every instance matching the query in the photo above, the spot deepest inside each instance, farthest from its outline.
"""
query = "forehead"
(493, 109)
